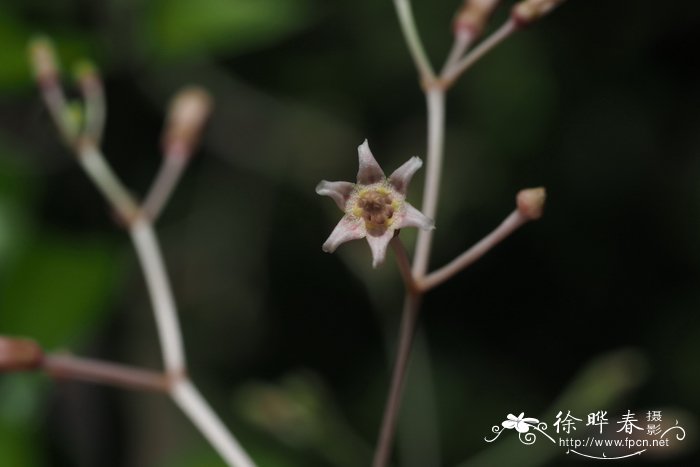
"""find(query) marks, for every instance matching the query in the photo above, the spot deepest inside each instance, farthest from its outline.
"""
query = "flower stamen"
(376, 208)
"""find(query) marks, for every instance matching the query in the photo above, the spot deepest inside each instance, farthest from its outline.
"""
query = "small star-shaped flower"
(375, 207)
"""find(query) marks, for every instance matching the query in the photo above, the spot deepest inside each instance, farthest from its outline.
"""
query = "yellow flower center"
(377, 207)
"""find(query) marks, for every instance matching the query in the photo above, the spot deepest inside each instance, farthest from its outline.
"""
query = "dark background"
(594, 307)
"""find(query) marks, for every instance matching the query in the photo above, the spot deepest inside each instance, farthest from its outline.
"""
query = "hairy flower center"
(376, 207)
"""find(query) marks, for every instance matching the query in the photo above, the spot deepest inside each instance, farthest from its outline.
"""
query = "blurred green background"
(593, 307)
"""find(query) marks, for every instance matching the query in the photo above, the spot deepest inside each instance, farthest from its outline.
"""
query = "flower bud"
(472, 17)
(530, 202)
(528, 11)
(188, 111)
(43, 60)
(86, 74)
(19, 354)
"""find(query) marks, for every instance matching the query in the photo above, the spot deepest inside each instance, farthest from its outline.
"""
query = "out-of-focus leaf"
(13, 58)
(14, 179)
(300, 413)
(13, 230)
(19, 400)
(16, 447)
(15, 186)
(57, 291)
(176, 28)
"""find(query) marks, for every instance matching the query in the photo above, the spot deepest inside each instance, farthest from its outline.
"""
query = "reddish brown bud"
(528, 11)
(473, 15)
(43, 60)
(189, 110)
(19, 354)
(531, 202)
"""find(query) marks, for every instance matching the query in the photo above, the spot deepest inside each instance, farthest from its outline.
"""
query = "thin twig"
(436, 128)
(95, 105)
(461, 43)
(187, 114)
(195, 406)
(100, 172)
(498, 36)
(95, 371)
(148, 251)
(404, 264)
(466, 259)
(435, 98)
(393, 404)
(55, 100)
(171, 169)
(415, 45)
(151, 259)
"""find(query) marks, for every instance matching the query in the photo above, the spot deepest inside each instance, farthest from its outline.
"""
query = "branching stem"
(175, 381)
(149, 254)
(415, 45)
(95, 371)
(404, 264)
(417, 280)
(171, 169)
(451, 73)
(466, 259)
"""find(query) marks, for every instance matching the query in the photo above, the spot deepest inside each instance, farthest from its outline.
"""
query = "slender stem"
(150, 257)
(498, 36)
(148, 251)
(466, 259)
(186, 395)
(404, 264)
(391, 411)
(436, 129)
(95, 371)
(462, 41)
(435, 98)
(415, 45)
(55, 101)
(171, 169)
(95, 108)
(183, 392)
(94, 163)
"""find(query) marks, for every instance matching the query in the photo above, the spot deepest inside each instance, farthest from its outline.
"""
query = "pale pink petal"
(347, 229)
(402, 176)
(339, 191)
(378, 244)
(412, 217)
(369, 172)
